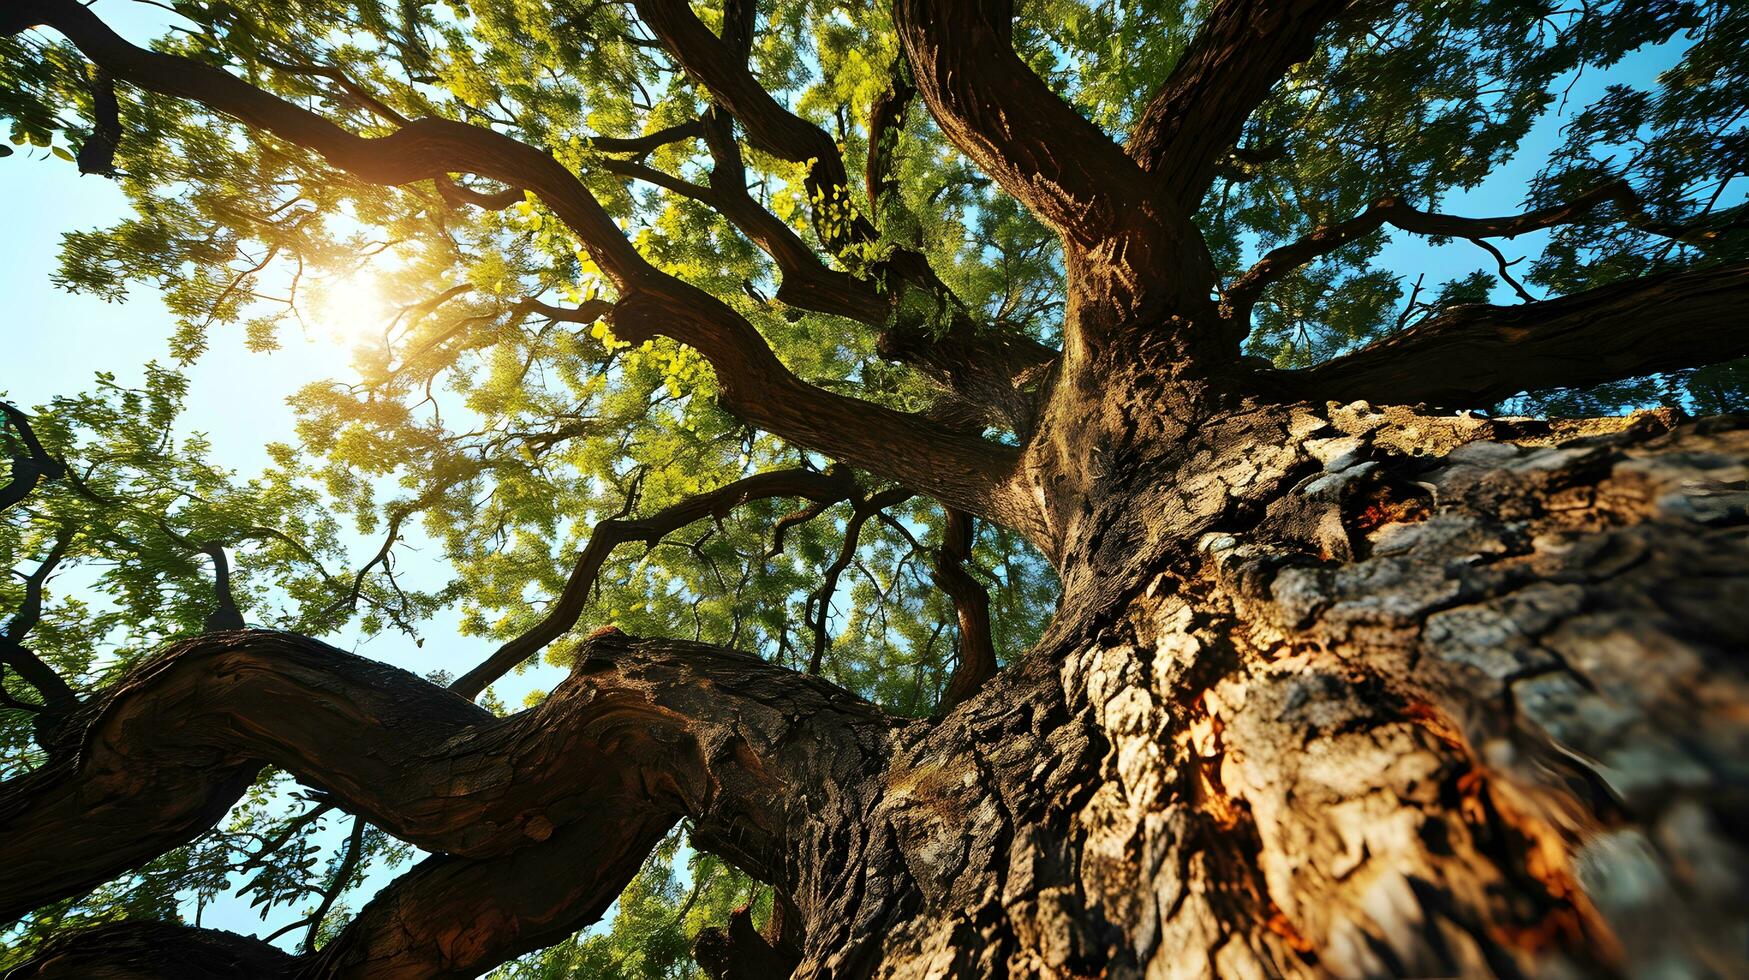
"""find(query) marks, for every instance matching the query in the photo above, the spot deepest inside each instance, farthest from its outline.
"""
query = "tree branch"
(820, 602)
(359, 94)
(971, 602)
(144, 949)
(1477, 355)
(97, 154)
(642, 146)
(886, 120)
(721, 66)
(57, 696)
(342, 877)
(225, 614)
(833, 485)
(447, 917)
(1240, 52)
(740, 952)
(1242, 293)
(640, 727)
(29, 467)
(965, 470)
(1133, 258)
(996, 110)
(952, 358)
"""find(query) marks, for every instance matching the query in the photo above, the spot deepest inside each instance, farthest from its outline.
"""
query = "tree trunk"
(1416, 696)
(1333, 690)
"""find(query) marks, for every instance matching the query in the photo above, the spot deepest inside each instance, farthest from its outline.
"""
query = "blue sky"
(54, 342)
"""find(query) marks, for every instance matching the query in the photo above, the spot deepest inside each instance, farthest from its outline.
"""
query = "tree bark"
(1424, 695)
(1472, 713)
(1333, 689)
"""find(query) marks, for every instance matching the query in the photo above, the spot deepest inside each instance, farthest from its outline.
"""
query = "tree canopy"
(669, 295)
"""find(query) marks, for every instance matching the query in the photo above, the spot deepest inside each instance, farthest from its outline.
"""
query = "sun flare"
(350, 307)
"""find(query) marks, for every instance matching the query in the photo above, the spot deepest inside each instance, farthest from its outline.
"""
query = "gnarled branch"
(1477, 355)
(640, 727)
(995, 109)
(1132, 257)
(57, 696)
(30, 466)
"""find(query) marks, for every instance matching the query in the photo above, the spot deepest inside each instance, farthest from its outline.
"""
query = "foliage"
(505, 431)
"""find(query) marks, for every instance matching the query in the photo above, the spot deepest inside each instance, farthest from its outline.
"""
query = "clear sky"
(53, 343)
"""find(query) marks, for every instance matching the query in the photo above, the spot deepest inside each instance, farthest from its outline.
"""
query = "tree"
(1345, 676)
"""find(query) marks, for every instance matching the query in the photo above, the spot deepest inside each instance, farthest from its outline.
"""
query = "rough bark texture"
(1474, 712)
(1334, 689)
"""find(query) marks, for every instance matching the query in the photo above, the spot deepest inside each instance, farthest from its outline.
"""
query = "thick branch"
(447, 917)
(825, 487)
(1133, 258)
(1241, 51)
(1477, 355)
(460, 917)
(639, 727)
(995, 109)
(142, 950)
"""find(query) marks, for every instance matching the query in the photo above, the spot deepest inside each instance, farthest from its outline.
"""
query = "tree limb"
(995, 109)
(721, 66)
(58, 697)
(1133, 258)
(640, 727)
(951, 358)
(965, 470)
(342, 877)
(1242, 49)
(147, 950)
(447, 917)
(225, 614)
(971, 603)
(97, 154)
(642, 146)
(820, 602)
(1477, 355)
(358, 93)
(833, 485)
(29, 467)
(1242, 293)
(886, 120)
